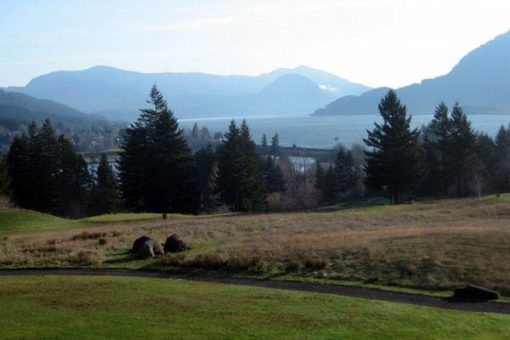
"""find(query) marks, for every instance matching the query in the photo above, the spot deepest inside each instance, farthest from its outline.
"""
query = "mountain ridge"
(119, 93)
(480, 82)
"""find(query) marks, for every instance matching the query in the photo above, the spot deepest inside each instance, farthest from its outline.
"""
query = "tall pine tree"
(437, 153)
(394, 163)
(273, 175)
(47, 174)
(344, 173)
(4, 176)
(156, 168)
(205, 162)
(462, 151)
(239, 182)
(105, 194)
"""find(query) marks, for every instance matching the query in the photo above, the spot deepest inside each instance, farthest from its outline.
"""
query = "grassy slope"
(19, 220)
(435, 245)
(107, 307)
(124, 217)
(14, 221)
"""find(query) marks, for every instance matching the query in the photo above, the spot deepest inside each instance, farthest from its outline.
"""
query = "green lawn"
(124, 217)
(14, 221)
(65, 307)
(20, 220)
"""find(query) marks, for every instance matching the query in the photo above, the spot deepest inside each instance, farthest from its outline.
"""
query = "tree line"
(158, 172)
(447, 158)
(43, 172)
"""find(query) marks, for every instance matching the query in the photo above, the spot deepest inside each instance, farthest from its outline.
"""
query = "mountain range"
(118, 94)
(480, 82)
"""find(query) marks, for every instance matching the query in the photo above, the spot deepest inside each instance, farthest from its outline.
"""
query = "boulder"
(158, 249)
(146, 250)
(175, 244)
(139, 242)
(472, 292)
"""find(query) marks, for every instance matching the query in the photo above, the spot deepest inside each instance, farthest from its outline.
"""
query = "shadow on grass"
(122, 258)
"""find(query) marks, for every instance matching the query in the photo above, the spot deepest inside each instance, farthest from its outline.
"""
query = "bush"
(316, 263)
(292, 265)
(83, 257)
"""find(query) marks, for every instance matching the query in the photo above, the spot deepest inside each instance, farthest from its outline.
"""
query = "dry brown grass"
(433, 245)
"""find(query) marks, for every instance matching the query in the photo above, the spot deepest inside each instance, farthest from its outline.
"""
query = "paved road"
(351, 291)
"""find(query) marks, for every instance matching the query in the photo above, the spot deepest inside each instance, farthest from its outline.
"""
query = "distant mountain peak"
(480, 81)
(119, 93)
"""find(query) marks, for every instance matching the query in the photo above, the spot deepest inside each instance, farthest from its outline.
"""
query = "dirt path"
(351, 291)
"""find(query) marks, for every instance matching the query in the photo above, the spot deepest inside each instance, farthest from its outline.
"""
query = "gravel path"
(351, 291)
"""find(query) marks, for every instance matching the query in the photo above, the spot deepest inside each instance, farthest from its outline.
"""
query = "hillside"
(25, 108)
(21, 220)
(434, 245)
(17, 110)
(479, 82)
(119, 94)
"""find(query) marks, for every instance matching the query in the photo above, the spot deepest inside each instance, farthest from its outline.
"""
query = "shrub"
(316, 263)
(83, 257)
(292, 265)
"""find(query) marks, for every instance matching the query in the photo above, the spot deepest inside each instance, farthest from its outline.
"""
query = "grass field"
(432, 245)
(19, 220)
(125, 217)
(65, 307)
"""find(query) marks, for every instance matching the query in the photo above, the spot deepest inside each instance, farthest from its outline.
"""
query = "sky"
(373, 42)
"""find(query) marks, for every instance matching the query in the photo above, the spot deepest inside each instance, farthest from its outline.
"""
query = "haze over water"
(327, 131)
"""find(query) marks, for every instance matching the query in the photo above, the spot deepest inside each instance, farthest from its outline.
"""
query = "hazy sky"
(375, 42)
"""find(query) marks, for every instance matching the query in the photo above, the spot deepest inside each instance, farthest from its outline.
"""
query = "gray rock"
(146, 250)
(175, 244)
(158, 249)
(139, 243)
(473, 292)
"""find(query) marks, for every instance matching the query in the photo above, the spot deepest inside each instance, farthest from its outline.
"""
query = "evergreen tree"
(275, 146)
(502, 163)
(205, 161)
(4, 176)
(46, 173)
(105, 195)
(395, 161)
(44, 158)
(487, 160)
(462, 150)
(263, 142)
(329, 186)
(73, 181)
(19, 170)
(273, 176)
(156, 168)
(344, 173)
(437, 152)
(319, 176)
(239, 181)
(195, 132)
